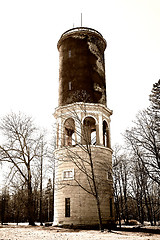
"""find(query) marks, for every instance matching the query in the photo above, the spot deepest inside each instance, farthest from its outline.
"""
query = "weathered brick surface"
(81, 63)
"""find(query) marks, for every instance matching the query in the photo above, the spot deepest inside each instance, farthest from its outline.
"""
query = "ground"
(13, 232)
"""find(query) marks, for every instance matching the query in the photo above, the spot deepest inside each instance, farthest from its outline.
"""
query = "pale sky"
(29, 61)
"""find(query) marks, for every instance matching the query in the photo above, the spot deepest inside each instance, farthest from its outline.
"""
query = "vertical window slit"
(67, 207)
(70, 86)
(69, 53)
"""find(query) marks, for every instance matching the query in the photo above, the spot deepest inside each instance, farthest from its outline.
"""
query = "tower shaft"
(83, 155)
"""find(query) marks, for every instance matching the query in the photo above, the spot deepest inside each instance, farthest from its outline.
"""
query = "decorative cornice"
(80, 106)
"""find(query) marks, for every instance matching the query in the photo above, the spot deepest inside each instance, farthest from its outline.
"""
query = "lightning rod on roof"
(81, 19)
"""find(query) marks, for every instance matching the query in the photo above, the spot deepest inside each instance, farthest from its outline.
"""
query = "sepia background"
(30, 30)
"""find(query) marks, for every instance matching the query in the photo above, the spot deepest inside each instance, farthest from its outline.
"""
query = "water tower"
(82, 132)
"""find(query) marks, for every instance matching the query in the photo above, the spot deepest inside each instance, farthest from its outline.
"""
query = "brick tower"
(83, 155)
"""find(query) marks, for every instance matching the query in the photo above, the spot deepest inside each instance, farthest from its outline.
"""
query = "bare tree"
(144, 140)
(143, 157)
(21, 150)
(154, 108)
(136, 194)
(121, 170)
(144, 137)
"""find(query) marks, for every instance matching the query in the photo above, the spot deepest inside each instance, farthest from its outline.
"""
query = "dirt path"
(51, 233)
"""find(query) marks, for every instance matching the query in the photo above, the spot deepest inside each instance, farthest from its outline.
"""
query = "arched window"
(105, 134)
(89, 131)
(69, 132)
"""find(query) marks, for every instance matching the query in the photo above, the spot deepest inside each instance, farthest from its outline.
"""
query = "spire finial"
(81, 19)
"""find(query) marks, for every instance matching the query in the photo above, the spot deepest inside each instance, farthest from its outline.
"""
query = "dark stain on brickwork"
(82, 68)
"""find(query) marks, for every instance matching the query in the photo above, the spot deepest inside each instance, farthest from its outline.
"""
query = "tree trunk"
(3, 210)
(148, 209)
(126, 206)
(30, 201)
(53, 192)
(96, 193)
(99, 214)
(41, 192)
(117, 204)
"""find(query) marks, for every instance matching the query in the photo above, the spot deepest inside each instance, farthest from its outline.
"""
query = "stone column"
(78, 128)
(100, 130)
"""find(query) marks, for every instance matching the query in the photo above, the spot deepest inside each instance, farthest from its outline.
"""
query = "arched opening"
(89, 135)
(69, 132)
(106, 142)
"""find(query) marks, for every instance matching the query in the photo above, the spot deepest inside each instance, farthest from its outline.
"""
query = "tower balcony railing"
(81, 29)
